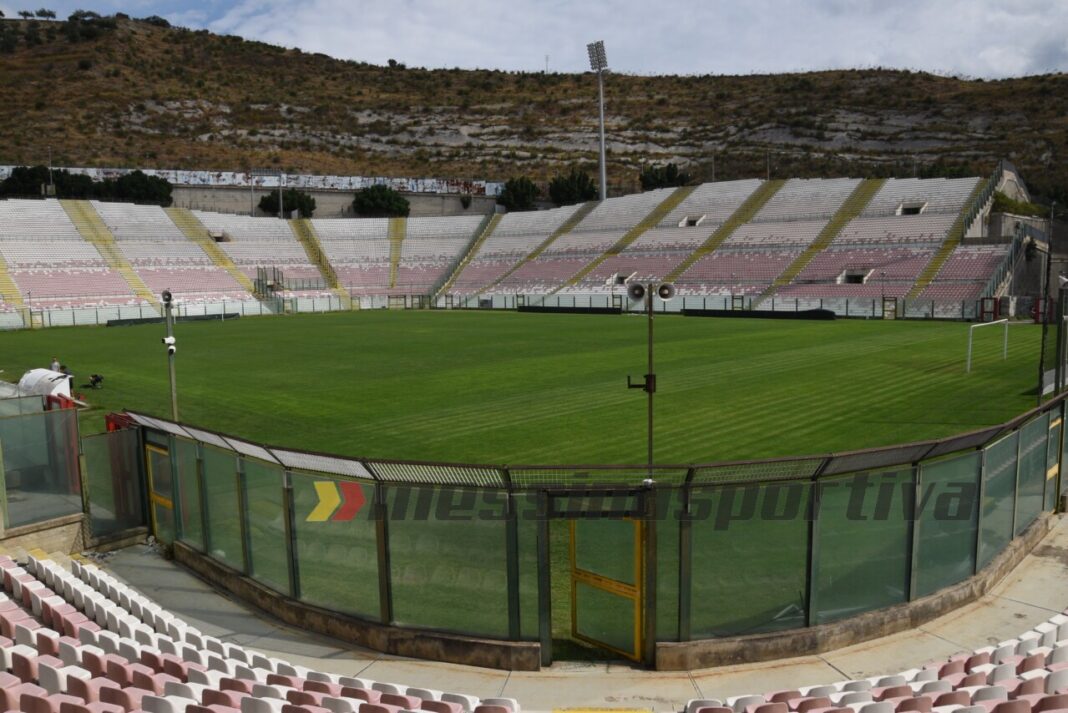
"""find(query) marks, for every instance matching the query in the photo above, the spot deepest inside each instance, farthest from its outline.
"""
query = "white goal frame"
(1004, 340)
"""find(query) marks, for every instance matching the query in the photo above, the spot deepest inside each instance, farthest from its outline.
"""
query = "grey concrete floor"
(1036, 590)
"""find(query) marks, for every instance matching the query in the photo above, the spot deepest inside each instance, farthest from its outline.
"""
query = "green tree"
(46, 14)
(137, 187)
(575, 187)
(292, 199)
(519, 194)
(662, 177)
(25, 14)
(380, 201)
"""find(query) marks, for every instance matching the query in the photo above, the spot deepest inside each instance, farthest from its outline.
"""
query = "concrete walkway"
(1035, 591)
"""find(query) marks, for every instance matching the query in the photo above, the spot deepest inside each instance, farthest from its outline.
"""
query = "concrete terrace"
(1033, 592)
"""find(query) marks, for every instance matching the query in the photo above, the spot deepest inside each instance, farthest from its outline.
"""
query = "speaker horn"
(636, 291)
(666, 291)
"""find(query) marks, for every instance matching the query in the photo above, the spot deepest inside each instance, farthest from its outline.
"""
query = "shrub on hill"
(668, 176)
(1004, 204)
(134, 187)
(519, 194)
(380, 201)
(292, 200)
(574, 187)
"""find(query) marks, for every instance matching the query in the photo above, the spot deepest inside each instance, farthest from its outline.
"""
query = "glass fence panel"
(448, 557)
(863, 558)
(1031, 483)
(337, 544)
(526, 509)
(40, 467)
(750, 558)
(224, 523)
(113, 479)
(669, 506)
(1064, 458)
(191, 530)
(948, 515)
(269, 555)
(999, 493)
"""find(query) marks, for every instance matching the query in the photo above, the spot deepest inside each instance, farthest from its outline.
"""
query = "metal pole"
(281, 206)
(604, 170)
(650, 377)
(170, 361)
(1044, 302)
(251, 196)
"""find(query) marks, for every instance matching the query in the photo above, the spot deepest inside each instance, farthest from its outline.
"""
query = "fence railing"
(768, 545)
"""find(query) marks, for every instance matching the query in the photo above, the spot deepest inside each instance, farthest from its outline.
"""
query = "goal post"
(1004, 339)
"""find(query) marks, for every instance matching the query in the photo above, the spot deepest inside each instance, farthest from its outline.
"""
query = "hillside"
(138, 94)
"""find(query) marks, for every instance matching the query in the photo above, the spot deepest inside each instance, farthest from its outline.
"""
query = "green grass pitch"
(509, 388)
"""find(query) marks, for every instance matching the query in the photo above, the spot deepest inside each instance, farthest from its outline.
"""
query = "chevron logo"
(338, 502)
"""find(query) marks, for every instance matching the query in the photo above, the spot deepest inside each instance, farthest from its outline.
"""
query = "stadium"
(754, 445)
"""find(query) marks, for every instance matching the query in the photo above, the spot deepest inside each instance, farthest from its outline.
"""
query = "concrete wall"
(63, 534)
(328, 204)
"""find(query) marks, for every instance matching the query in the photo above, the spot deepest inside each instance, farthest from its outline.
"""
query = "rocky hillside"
(122, 92)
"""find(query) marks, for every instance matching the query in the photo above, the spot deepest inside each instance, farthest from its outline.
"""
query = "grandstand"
(830, 239)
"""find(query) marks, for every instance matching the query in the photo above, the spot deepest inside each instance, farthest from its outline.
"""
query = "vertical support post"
(545, 611)
(914, 532)
(242, 509)
(291, 535)
(649, 560)
(686, 559)
(512, 561)
(205, 502)
(170, 356)
(1016, 481)
(812, 569)
(385, 583)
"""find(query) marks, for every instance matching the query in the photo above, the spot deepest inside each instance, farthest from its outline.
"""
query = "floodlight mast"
(599, 64)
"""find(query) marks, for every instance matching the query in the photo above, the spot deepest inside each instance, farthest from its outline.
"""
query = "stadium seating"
(904, 224)
(82, 641)
(1027, 674)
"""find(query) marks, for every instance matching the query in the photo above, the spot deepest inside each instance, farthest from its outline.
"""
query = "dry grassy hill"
(144, 95)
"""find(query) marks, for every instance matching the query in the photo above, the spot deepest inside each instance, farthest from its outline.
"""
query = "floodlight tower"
(599, 64)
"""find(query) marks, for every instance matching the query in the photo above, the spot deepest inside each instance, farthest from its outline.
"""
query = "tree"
(380, 201)
(292, 200)
(575, 187)
(25, 14)
(45, 14)
(137, 187)
(519, 194)
(662, 177)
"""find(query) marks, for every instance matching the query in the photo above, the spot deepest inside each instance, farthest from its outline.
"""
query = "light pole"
(599, 64)
(637, 291)
(170, 342)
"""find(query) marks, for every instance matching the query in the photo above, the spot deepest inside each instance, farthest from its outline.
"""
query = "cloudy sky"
(974, 38)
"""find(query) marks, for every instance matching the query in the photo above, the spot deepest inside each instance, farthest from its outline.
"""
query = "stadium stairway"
(750, 207)
(566, 227)
(9, 291)
(650, 221)
(95, 232)
(193, 229)
(398, 228)
(857, 201)
(486, 230)
(953, 239)
(305, 233)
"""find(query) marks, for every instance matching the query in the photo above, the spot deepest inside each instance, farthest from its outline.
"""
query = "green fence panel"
(224, 522)
(187, 504)
(40, 466)
(669, 505)
(337, 554)
(264, 485)
(863, 557)
(999, 493)
(750, 558)
(21, 405)
(1031, 484)
(448, 559)
(114, 482)
(948, 514)
(1053, 458)
(527, 522)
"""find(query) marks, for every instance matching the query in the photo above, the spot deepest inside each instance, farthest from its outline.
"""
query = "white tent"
(45, 382)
